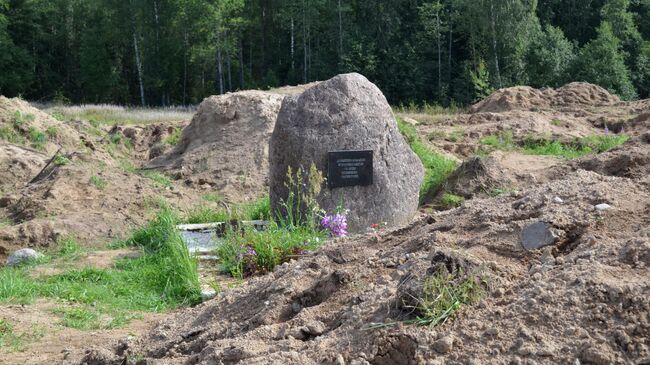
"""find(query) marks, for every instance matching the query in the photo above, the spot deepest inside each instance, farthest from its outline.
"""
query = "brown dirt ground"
(584, 300)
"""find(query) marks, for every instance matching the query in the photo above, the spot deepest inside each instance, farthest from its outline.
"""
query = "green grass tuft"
(61, 160)
(173, 138)
(11, 341)
(158, 178)
(163, 278)
(437, 167)
(443, 294)
(257, 252)
(98, 182)
(450, 200)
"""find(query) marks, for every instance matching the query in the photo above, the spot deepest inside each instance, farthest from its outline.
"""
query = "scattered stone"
(597, 355)
(208, 294)
(558, 200)
(444, 345)
(537, 235)
(603, 207)
(316, 328)
(22, 256)
(347, 113)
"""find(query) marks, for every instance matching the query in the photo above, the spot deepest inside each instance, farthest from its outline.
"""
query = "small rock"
(208, 294)
(600, 355)
(537, 235)
(22, 256)
(603, 207)
(444, 345)
(340, 360)
(558, 200)
(316, 328)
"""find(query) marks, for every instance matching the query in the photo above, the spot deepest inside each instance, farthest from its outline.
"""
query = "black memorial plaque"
(349, 168)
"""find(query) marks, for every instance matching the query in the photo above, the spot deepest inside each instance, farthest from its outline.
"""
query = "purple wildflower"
(336, 223)
(606, 131)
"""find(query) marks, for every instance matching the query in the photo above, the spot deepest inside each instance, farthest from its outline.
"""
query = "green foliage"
(579, 148)
(37, 137)
(12, 341)
(52, 131)
(158, 178)
(300, 207)
(450, 200)
(98, 182)
(213, 197)
(503, 141)
(443, 294)
(437, 167)
(257, 252)
(257, 210)
(549, 58)
(173, 138)
(434, 50)
(61, 160)
(481, 81)
(601, 62)
(162, 278)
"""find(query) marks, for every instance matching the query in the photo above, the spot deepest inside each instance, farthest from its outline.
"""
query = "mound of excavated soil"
(586, 298)
(30, 126)
(226, 145)
(499, 173)
(528, 98)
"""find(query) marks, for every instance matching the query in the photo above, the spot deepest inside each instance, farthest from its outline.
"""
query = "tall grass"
(163, 277)
(257, 210)
(437, 168)
(248, 252)
(115, 114)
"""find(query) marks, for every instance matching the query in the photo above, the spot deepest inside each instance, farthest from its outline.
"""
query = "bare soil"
(585, 299)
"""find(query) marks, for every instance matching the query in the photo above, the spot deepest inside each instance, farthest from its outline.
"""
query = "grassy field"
(114, 114)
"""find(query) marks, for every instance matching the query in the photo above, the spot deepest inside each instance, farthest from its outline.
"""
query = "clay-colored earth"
(583, 300)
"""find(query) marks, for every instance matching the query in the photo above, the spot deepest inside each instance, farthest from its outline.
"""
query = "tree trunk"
(219, 70)
(185, 47)
(241, 64)
(138, 65)
(449, 54)
(439, 54)
(293, 41)
(340, 33)
(304, 41)
(494, 43)
(229, 71)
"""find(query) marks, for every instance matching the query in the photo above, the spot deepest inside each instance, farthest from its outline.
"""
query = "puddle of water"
(201, 242)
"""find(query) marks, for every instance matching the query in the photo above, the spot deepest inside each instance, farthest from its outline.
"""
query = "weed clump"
(450, 200)
(437, 167)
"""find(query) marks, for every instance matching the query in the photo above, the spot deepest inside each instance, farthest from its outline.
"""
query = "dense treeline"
(162, 52)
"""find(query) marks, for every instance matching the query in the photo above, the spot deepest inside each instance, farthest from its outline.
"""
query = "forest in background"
(171, 52)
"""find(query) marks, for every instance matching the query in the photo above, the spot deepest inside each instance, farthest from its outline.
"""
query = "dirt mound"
(226, 145)
(499, 173)
(149, 141)
(631, 160)
(528, 98)
(586, 298)
(24, 125)
(17, 166)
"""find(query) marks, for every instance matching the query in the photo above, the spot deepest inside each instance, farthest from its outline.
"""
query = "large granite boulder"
(347, 112)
